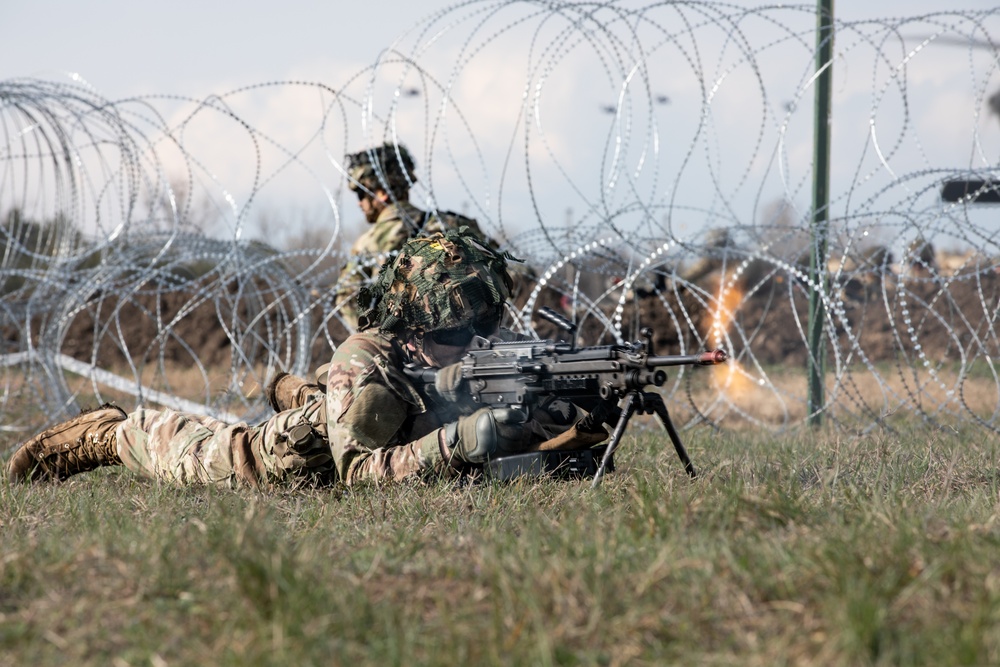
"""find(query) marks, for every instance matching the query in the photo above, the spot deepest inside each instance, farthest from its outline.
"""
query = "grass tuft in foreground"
(807, 548)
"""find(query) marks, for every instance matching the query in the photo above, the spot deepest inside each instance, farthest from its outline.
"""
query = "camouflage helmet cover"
(387, 167)
(443, 281)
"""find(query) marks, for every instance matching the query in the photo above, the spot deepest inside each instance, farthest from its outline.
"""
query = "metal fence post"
(819, 229)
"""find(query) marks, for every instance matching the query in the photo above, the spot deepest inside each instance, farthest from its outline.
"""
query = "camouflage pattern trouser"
(193, 449)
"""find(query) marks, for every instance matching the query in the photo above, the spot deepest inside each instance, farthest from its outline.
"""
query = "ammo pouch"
(303, 452)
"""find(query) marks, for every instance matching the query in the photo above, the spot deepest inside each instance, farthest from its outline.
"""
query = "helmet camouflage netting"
(444, 281)
(387, 167)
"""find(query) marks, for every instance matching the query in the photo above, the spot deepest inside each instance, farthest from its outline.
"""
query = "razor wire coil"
(647, 160)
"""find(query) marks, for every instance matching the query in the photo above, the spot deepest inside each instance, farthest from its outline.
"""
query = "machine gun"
(610, 380)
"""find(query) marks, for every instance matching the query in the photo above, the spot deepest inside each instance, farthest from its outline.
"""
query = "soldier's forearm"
(419, 457)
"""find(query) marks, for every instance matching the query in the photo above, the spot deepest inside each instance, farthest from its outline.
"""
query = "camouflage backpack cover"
(442, 281)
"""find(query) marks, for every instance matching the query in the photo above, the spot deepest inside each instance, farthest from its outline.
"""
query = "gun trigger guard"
(510, 415)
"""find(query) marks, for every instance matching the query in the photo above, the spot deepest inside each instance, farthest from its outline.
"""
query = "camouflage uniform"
(381, 428)
(378, 423)
(187, 448)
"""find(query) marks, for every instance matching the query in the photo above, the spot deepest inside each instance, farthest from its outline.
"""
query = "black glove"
(448, 382)
(486, 433)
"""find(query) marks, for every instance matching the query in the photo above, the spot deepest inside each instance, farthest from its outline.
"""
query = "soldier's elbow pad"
(303, 452)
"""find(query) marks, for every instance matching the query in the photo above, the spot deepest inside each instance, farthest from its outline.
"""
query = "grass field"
(806, 548)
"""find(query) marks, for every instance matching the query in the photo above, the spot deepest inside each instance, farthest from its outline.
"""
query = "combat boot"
(285, 392)
(83, 443)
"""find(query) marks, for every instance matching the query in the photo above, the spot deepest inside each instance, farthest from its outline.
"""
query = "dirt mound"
(879, 321)
(174, 327)
(239, 324)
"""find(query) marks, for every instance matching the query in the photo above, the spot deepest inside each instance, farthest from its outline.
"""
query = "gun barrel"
(709, 358)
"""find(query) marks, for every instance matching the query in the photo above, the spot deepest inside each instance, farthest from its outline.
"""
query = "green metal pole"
(821, 206)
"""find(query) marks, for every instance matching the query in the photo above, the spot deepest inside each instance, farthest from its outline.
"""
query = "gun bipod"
(643, 402)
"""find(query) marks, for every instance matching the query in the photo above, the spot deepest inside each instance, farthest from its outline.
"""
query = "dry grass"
(809, 548)
(777, 397)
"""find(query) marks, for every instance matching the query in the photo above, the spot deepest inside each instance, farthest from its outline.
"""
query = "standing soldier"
(382, 177)
(371, 422)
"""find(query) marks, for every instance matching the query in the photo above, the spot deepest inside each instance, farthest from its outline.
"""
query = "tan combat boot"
(285, 392)
(78, 445)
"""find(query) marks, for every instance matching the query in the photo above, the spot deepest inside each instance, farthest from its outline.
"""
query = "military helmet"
(443, 281)
(387, 167)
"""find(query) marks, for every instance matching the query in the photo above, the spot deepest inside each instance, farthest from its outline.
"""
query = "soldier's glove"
(448, 382)
(486, 433)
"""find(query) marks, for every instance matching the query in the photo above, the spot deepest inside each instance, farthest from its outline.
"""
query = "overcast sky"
(125, 47)
(194, 47)
(197, 48)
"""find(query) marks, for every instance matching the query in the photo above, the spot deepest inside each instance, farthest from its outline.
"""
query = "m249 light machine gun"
(610, 381)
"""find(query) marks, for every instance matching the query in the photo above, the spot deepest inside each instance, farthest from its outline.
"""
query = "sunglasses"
(463, 336)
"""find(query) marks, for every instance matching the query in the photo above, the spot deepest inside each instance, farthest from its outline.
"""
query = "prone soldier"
(370, 423)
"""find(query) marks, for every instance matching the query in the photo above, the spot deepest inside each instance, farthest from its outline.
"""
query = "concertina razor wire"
(651, 163)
